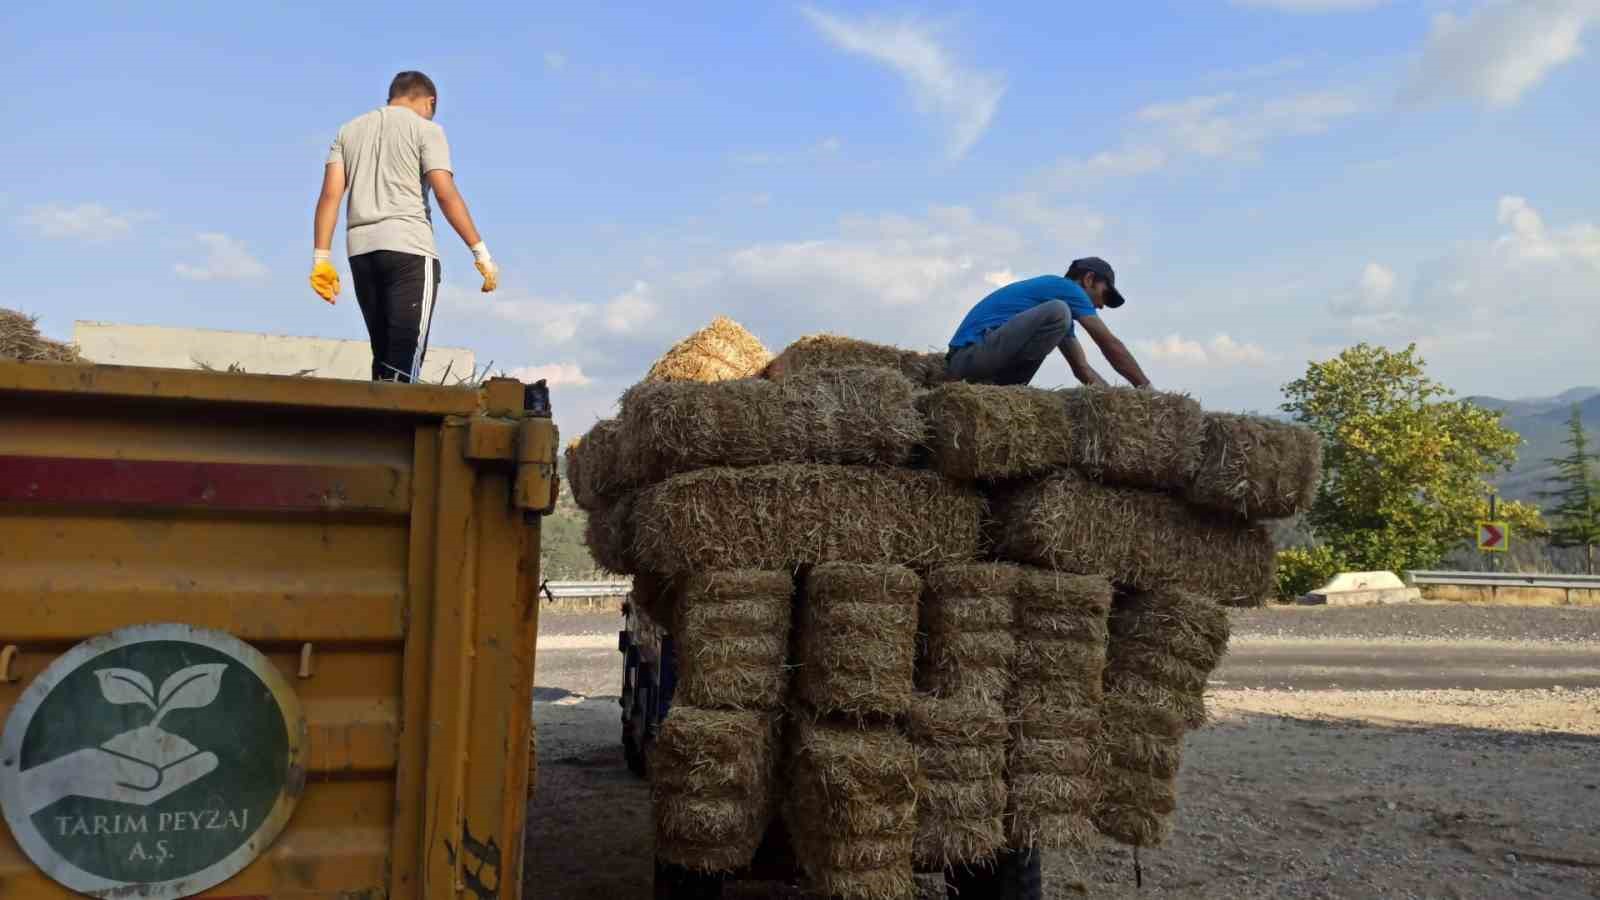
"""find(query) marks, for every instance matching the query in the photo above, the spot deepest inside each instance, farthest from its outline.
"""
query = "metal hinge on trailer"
(516, 428)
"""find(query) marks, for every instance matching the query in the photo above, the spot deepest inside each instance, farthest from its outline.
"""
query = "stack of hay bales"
(854, 780)
(719, 497)
(1061, 659)
(20, 339)
(1144, 493)
(1164, 646)
(1004, 520)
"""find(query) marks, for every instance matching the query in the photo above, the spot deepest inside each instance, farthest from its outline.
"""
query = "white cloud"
(85, 221)
(227, 259)
(963, 98)
(1222, 126)
(1529, 243)
(1127, 162)
(630, 310)
(554, 61)
(826, 147)
(567, 374)
(1221, 351)
(1311, 6)
(1501, 50)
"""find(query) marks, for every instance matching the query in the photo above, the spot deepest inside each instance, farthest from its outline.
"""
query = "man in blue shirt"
(1006, 337)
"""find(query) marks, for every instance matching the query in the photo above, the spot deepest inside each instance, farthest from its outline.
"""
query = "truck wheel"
(678, 883)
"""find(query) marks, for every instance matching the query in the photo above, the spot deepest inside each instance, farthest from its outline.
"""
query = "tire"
(677, 883)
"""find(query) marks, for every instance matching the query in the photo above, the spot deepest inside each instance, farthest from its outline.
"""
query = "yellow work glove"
(486, 267)
(324, 277)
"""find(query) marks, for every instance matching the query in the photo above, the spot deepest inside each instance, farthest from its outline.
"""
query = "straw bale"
(1132, 825)
(1138, 539)
(993, 432)
(840, 416)
(721, 351)
(1134, 808)
(1192, 627)
(1256, 468)
(607, 532)
(839, 762)
(858, 638)
(966, 799)
(948, 762)
(1051, 811)
(941, 722)
(712, 786)
(1043, 592)
(1154, 708)
(736, 603)
(971, 597)
(979, 650)
(1056, 713)
(829, 351)
(20, 339)
(596, 468)
(942, 843)
(733, 638)
(1060, 662)
(1134, 437)
(1129, 748)
(1055, 756)
(860, 854)
(779, 517)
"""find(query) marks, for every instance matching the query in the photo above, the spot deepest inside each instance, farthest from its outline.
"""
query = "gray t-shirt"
(386, 154)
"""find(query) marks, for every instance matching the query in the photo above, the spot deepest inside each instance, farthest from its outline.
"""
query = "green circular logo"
(162, 756)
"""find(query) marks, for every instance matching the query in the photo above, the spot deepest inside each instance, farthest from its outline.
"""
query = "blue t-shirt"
(998, 308)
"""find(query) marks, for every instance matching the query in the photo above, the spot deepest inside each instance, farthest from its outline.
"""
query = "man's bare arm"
(453, 206)
(1115, 351)
(1079, 363)
(327, 217)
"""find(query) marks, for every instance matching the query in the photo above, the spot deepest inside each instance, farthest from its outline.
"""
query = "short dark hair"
(411, 84)
(1075, 272)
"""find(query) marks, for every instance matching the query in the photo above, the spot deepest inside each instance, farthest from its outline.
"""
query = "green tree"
(1405, 467)
(1576, 512)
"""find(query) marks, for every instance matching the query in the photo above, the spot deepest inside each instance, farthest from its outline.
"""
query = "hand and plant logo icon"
(193, 688)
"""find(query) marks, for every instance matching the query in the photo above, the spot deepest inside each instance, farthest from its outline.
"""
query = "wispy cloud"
(227, 259)
(1222, 125)
(85, 221)
(963, 98)
(555, 61)
(565, 374)
(1221, 351)
(828, 146)
(1500, 51)
(1109, 164)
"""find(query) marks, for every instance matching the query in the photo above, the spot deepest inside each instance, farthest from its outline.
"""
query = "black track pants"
(396, 292)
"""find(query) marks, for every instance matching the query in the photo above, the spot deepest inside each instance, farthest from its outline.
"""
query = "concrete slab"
(1374, 597)
(1361, 581)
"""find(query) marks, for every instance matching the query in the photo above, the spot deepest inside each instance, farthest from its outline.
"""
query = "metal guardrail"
(1504, 579)
(585, 590)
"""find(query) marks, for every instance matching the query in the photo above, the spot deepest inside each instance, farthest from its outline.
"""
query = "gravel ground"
(1324, 793)
(1453, 621)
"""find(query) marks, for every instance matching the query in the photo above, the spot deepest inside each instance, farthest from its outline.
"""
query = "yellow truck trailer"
(266, 637)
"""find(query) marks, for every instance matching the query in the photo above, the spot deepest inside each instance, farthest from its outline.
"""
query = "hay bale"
(732, 632)
(840, 416)
(968, 645)
(1256, 468)
(857, 639)
(1052, 811)
(597, 470)
(1170, 640)
(712, 786)
(852, 801)
(979, 432)
(608, 533)
(780, 517)
(829, 351)
(1139, 539)
(1135, 809)
(721, 351)
(961, 754)
(1136, 438)
(20, 339)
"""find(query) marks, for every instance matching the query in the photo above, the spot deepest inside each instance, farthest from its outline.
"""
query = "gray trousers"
(1012, 353)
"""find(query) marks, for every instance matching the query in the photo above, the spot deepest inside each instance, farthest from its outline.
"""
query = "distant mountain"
(1542, 422)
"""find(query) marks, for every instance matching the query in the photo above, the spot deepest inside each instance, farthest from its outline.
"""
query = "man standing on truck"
(1008, 335)
(388, 160)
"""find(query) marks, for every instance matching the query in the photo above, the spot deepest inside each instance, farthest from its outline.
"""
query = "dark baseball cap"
(1102, 268)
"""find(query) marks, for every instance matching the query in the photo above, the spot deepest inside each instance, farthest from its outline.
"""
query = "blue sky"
(1273, 179)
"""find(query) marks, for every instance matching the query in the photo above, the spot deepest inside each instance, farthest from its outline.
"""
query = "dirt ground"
(1432, 780)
